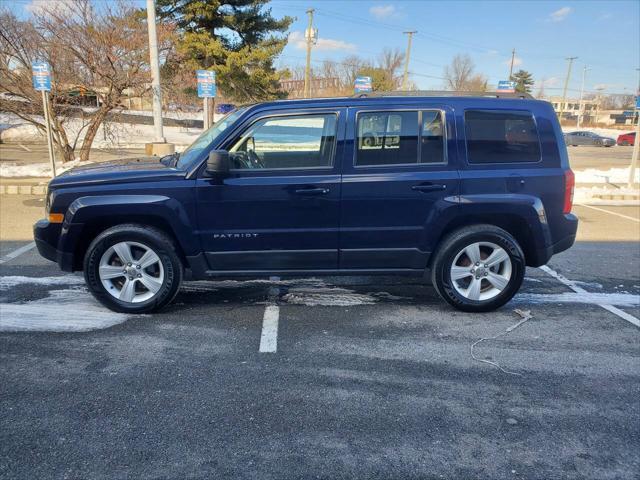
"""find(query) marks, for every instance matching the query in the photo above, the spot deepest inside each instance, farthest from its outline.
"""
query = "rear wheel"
(133, 269)
(624, 143)
(478, 268)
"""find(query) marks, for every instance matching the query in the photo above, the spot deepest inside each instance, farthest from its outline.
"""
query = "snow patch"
(12, 281)
(72, 310)
(611, 175)
(37, 169)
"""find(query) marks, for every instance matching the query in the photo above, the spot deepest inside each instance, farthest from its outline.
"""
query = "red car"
(627, 138)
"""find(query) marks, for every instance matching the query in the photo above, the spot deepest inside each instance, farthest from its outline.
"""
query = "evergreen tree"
(524, 81)
(238, 39)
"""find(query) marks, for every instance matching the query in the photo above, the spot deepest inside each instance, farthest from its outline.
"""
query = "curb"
(23, 189)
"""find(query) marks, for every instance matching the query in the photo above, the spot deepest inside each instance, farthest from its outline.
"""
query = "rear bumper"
(46, 236)
(564, 235)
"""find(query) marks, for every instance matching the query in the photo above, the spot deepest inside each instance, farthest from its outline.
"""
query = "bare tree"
(391, 62)
(460, 76)
(102, 50)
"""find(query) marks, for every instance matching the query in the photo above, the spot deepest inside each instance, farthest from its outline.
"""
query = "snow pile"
(612, 175)
(593, 195)
(21, 133)
(114, 135)
(37, 169)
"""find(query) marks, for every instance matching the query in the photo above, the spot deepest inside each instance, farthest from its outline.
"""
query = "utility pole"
(405, 76)
(311, 36)
(636, 147)
(155, 72)
(581, 112)
(566, 84)
(513, 57)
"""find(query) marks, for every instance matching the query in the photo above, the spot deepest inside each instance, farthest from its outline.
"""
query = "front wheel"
(133, 269)
(478, 268)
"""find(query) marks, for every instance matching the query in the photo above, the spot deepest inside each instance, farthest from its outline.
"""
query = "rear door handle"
(312, 191)
(428, 188)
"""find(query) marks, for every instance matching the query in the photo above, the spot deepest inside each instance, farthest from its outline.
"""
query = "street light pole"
(581, 112)
(636, 147)
(405, 75)
(310, 36)
(155, 72)
(566, 84)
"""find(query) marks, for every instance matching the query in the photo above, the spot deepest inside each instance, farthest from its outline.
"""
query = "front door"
(278, 209)
(396, 180)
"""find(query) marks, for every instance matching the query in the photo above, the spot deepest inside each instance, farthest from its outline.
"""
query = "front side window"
(501, 137)
(286, 142)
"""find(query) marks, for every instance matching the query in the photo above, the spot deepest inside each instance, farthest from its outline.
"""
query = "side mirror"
(218, 162)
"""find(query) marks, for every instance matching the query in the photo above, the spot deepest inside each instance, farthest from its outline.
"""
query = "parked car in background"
(588, 138)
(466, 191)
(627, 139)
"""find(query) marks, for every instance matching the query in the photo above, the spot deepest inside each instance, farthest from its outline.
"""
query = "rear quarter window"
(498, 136)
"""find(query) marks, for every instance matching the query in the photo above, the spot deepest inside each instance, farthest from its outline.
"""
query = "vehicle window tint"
(387, 138)
(501, 137)
(432, 137)
(300, 141)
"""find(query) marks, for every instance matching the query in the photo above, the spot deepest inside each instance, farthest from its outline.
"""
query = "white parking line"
(610, 308)
(17, 252)
(269, 337)
(609, 211)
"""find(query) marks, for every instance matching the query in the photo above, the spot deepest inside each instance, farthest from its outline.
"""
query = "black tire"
(152, 237)
(456, 242)
(624, 143)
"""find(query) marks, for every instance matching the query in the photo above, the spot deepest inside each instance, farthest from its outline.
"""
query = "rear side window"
(501, 137)
(387, 138)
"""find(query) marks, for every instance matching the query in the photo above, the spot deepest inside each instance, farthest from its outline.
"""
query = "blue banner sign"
(506, 86)
(638, 102)
(41, 76)
(206, 83)
(363, 84)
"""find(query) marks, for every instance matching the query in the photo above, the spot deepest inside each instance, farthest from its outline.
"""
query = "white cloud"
(39, 7)
(493, 53)
(559, 15)
(297, 39)
(547, 82)
(385, 12)
(517, 61)
(605, 16)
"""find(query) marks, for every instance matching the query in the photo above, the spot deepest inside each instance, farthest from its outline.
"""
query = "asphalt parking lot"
(327, 377)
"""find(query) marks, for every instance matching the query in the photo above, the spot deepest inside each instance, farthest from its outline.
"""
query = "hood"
(143, 169)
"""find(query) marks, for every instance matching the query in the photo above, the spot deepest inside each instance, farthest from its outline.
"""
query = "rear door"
(278, 210)
(398, 170)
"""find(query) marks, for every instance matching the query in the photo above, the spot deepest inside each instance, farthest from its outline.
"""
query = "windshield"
(192, 153)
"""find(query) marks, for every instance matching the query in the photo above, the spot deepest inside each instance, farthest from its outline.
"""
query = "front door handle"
(428, 188)
(312, 191)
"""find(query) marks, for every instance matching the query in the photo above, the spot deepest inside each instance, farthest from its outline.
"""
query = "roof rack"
(442, 93)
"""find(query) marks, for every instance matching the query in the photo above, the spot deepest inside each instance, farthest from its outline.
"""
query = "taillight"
(569, 185)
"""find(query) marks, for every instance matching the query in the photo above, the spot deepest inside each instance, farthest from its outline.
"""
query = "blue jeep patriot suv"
(466, 190)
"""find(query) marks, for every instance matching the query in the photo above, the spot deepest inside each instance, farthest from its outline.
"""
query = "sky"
(603, 35)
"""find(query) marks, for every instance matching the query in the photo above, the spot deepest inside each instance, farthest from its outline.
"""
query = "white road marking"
(16, 253)
(269, 337)
(610, 308)
(24, 148)
(609, 212)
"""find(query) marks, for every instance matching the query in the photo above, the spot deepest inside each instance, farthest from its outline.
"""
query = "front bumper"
(46, 236)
